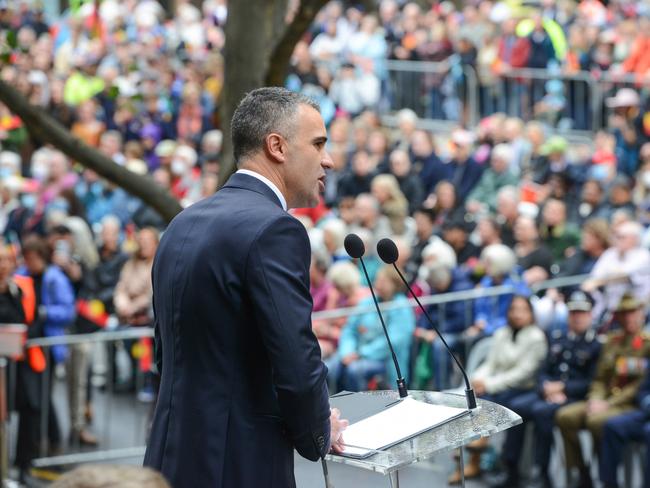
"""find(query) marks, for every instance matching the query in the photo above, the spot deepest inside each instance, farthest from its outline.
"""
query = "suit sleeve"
(277, 276)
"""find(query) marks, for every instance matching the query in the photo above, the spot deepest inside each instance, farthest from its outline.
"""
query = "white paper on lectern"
(406, 419)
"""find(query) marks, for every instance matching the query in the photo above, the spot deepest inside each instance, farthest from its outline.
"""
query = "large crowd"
(505, 203)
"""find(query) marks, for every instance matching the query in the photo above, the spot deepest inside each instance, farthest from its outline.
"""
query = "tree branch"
(45, 128)
(281, 55)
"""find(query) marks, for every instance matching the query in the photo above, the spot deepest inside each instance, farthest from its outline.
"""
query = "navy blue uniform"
(632, 426)
(571, 359)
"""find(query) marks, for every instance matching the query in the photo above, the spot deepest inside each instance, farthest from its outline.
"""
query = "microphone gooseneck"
(388, 253)
(355, 248)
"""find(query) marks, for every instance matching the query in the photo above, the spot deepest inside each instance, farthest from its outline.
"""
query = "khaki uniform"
(621, 366)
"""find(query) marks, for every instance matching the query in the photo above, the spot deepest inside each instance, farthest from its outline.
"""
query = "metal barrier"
(141, 414)
(442, 91)
(451, 91)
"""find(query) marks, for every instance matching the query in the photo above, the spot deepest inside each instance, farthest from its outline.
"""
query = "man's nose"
(327, 162)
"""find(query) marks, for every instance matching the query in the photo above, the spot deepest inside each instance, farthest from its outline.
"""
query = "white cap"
(625, 97)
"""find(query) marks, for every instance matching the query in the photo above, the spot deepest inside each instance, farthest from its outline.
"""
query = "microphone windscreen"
(387, 251)
(354, 246)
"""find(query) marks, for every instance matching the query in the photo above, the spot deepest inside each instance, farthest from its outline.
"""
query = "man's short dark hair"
(262, 111)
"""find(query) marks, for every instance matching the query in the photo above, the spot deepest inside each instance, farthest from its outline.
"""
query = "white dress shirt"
(268, 183)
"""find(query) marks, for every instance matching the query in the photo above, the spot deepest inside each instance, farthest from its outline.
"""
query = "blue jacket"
(494, 309)
(242, 380)
(58, 300)
(455, 318)
(364, 335)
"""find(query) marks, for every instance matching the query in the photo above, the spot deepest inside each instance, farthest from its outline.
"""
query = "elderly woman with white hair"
(334, 232)
(346, 280)
(623, 267)
(490, 312)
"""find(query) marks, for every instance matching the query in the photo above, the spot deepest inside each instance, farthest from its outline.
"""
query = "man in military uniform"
(564, 378)
(631, 426)
(620, 370)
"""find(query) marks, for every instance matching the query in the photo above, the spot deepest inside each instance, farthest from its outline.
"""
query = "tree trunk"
(259, 45)
(248, 31)
(45, 128)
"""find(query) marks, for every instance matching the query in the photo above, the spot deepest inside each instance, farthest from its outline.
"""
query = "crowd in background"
(505, 203)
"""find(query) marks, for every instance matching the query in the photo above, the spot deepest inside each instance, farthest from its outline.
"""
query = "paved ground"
(121, 423)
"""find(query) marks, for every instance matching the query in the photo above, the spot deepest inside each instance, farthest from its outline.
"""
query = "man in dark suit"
(242, 378)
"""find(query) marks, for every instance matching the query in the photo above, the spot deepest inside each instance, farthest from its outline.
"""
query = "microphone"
(355, 249)
(388, 253)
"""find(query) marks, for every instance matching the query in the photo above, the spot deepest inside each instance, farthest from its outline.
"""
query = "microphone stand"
(469, 391)
(401, 383)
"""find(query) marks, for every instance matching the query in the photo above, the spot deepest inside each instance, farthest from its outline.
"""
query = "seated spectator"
(483, 197)
(564, 378)
(393, 204)
(509, 371)
(334, 232)
(346, 279)
(613, 390)
(410, 184)
(445, 204)
(363, 351)
(618, 431)
(451, 319)
(595, 240)
(323, 294)
(622, 267)
(456, 234)
(424, 218)
(488, 231)
(368, 216)
(358, 180)
(490, 313)
(591, 203)
(620, 197)
(466, 172)
(560, 236)
(507, 213)
(533, 257)
(426, 163)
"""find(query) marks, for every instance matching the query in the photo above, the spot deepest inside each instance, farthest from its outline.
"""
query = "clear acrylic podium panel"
(489, 418)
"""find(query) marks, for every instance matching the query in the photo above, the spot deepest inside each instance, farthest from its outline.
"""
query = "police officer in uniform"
(620, 370)
(564, 377)
(631, 426)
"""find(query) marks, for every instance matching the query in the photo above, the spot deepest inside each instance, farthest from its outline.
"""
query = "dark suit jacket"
(242, 378)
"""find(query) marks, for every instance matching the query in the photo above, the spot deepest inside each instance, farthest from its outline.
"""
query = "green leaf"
(12, 39)
(5, 57)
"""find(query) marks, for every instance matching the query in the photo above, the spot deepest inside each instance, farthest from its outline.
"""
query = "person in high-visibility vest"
(18, 305)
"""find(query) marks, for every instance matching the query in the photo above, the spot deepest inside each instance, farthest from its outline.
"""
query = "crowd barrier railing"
(113, 338)
(463, 94)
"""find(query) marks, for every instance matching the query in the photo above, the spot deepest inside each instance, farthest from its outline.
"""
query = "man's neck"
(270, 174)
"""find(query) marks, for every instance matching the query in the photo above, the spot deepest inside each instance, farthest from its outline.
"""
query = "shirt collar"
(268, 183)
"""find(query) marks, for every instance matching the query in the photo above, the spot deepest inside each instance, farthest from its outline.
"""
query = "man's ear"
(275, 147)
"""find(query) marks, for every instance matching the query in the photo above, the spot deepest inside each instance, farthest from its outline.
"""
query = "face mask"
(28, 200)
(177, 167)
(6, 173)
(40, 172)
